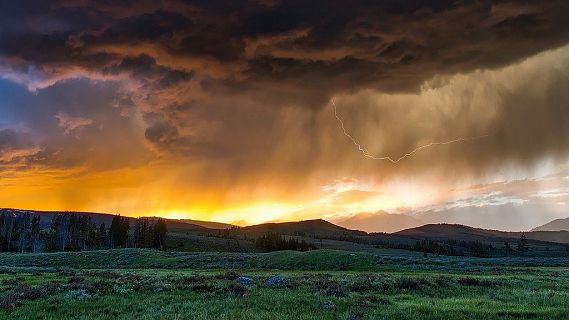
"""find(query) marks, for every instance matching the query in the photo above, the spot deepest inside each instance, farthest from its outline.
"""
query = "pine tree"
(119, 231)
(522, 245)
(160, 231)
(2, 232)
(35, 233)
(103, 236)
(137, 233)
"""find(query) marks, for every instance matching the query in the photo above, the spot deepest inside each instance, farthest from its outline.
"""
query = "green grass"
(323, 284)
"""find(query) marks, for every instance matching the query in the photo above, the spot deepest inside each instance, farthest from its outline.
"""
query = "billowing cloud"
(230, 99)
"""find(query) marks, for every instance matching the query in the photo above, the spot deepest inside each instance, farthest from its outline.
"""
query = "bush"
(121, 290)
(335, 290)
(328, 305)
(277, 281)
(107, 274)
(237, 289)
(13, 282)
(408, 283)
(31, 293)
(79, 294)
(231, 275)
(471, 281)
(9, 301)
(150, 284)
(246, 281)
(327, 287)
(363, 283)
(443, 281)
(189, 280)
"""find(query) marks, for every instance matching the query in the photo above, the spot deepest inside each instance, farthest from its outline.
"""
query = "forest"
(73, 232)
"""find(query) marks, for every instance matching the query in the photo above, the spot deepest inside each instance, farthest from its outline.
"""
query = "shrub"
(408, 283)
(443, 281)
(361, 285)
(79, 294)
(277, 281)
(237, 289)
(9, 301)
(327, 287)
(121, 290)
(246, 281)
(32, 293)
(131, 277)
(13, 282)
(231, 275)
(471, 281)
(150, 284)
(107, 274)
(188, 280)
(53, 301)
(327, 305)
(76, 280)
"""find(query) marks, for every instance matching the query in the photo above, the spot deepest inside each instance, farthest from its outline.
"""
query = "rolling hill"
(311, 228)
(381, 222)
(207, 224)
(466, 233)
(555, 225)
(459, 239)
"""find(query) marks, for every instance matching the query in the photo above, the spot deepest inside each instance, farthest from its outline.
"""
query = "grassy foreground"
(156, 285)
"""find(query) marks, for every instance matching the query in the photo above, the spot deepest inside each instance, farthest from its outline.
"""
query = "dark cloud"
(145, 27)
(228, 57)
(374, 43)
(159, 130)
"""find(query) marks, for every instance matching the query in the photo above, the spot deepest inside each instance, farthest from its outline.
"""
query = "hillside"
(498, 217)
(447, 239)
(310, 228)
(555, 225)
(482, 242)
(455, 231)
(466, 233)
(207, 224)
(380, 222)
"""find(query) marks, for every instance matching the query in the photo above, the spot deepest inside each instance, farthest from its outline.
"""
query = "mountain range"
(456, 238)
(507, 217)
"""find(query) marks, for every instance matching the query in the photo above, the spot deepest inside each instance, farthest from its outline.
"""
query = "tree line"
(275, 242)
(74, 232)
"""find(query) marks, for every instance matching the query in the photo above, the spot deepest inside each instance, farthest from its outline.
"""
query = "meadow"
(319, 284)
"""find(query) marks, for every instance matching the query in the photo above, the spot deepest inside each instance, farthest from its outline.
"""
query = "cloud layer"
(230, 99)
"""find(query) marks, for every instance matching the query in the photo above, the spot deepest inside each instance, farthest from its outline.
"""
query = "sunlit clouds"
(223, 110)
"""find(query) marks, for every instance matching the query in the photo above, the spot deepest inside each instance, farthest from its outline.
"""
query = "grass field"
(322, 284)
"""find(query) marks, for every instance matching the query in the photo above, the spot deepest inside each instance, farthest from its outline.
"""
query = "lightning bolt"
(389, 158)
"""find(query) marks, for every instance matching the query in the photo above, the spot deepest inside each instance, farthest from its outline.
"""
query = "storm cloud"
(236, 94)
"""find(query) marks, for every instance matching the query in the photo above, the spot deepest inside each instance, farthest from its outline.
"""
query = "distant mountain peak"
(555, 225)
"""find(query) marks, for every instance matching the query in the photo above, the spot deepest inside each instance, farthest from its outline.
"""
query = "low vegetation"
(399, 291)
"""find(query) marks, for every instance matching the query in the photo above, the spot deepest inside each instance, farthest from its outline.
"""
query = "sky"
(254, 111)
